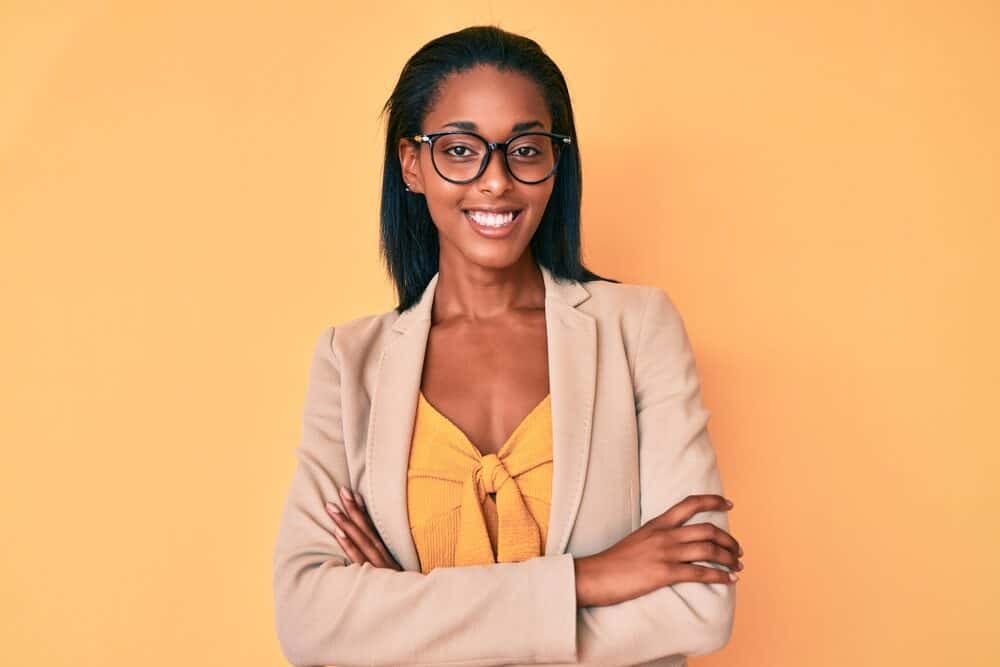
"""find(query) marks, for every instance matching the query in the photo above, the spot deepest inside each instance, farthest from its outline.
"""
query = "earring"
(408, 187)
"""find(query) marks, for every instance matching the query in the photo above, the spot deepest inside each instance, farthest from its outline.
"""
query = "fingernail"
(339, 531)
(361, 501)
(333, 508)
(346, 493)
(729, 503)
(733, 577)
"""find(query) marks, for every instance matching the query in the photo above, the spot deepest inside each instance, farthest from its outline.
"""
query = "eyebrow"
(518, 127)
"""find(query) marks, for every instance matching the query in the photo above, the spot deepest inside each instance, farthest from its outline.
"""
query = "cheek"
(444, 203)
(449, 196)
(539, 197)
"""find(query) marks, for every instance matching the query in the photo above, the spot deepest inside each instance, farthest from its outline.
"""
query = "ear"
(409, 162)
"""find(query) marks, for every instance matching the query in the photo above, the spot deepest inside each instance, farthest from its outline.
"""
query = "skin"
(489, 314)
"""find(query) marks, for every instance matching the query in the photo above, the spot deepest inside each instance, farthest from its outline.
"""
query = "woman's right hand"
(658, 554)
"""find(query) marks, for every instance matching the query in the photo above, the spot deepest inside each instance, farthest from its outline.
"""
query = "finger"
(350, 549)
(690, 552)
(359, 525)
(693, 504)
(352, 523)
(702, 532)
(369, 527)
(358, 516)
(703, 574)
(356, 509)
(350, 531)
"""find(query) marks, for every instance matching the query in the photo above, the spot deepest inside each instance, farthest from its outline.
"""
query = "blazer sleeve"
(676, 459)
(331, 611)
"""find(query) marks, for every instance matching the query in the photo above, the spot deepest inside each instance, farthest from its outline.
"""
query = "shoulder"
(356, 338)
(638, 315)
(629, 302)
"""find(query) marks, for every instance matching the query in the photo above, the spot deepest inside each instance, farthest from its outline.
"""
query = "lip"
(493, 209)
(489, 232)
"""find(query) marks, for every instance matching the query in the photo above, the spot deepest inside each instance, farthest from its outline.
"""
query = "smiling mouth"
(492, 220)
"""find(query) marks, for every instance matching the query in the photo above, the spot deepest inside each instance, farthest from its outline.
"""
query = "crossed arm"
(676, 459)
(330, 611)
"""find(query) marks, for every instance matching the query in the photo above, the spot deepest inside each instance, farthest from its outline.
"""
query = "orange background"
(189, 193)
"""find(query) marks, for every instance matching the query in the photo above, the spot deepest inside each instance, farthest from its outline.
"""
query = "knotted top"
(491, 473)
(453, 518)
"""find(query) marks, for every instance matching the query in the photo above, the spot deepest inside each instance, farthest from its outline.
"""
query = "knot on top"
(491, 473)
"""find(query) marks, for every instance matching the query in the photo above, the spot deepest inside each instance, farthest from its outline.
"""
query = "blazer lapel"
(572, 352)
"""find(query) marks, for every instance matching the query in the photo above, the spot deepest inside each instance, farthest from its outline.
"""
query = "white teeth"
(491, 219)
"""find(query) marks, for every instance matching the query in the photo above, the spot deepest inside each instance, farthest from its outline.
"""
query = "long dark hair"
(409, 239)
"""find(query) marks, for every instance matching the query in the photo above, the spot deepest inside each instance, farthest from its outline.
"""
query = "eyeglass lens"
(458, 157)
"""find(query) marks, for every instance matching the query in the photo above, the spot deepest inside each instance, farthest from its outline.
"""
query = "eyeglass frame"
(429, 138)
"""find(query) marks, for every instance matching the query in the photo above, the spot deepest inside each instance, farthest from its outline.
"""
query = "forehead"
(495, 101)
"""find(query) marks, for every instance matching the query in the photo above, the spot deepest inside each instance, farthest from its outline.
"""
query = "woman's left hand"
(357, 534)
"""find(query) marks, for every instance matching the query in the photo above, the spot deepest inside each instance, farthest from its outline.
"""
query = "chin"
(493, 260)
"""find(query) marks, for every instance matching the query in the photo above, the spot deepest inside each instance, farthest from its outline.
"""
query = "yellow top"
(452, 518)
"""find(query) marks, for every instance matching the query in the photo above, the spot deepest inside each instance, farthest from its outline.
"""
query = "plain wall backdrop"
(189, 194)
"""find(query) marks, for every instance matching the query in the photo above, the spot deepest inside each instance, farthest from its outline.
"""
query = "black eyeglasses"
(461, 157)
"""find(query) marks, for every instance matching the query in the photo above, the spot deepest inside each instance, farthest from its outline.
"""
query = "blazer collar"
(572, 351)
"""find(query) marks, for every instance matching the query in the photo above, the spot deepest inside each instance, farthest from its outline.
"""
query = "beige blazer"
(630, 440)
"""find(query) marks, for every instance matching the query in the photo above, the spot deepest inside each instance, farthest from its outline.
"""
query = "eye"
(459, 148)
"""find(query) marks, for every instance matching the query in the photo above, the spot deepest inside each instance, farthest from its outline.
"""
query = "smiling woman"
(512, 466)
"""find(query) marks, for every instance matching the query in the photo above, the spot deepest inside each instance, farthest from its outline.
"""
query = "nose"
(495, 178)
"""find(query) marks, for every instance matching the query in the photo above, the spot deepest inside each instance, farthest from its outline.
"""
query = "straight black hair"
(409, 239)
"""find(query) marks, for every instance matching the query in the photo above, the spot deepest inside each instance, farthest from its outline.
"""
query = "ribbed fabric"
(453, 519)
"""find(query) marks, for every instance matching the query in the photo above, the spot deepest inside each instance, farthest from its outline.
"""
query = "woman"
(513, 465)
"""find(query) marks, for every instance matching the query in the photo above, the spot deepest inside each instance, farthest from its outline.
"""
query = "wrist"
(584, 573)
